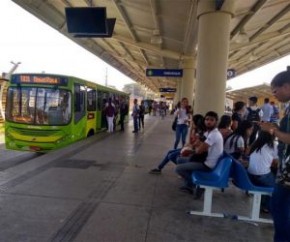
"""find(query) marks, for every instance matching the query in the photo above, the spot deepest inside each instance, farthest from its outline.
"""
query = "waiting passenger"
(182, 114)
(263, 155)
(275, 116)
(267, 110)
(236, 143)
(254, 114)
(225, 126)
(141, 115)
(135, 115)
(197, 129)
(213, 145)
(123, 112)
(110, 113)
(238, 115)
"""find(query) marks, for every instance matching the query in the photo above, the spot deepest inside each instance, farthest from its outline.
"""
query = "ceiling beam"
(271, 22)
(248, 17)
(148, 47)
(129, 25)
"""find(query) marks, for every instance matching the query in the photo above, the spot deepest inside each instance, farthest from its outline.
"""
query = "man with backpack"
(254, 114)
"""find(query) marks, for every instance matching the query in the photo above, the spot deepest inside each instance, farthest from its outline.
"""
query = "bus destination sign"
(38, 79)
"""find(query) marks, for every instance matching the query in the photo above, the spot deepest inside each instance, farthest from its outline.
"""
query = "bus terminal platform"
(99, 189)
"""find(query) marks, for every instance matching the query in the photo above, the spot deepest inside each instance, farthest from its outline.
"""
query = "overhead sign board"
(231, 73)
(167, 89)
(164, 72)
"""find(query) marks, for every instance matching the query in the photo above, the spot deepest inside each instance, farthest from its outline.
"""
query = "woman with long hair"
(196, 130)
(183, 119)
(263, 155)
(236, 144)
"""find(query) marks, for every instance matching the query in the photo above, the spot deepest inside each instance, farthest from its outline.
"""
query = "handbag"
(174, 124)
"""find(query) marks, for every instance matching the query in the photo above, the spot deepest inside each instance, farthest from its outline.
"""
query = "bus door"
(91, 111)
(80, 122)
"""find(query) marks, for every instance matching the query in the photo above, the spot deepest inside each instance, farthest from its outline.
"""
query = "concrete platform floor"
(100, 190)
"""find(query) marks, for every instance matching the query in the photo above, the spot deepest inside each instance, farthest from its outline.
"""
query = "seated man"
(213, 145)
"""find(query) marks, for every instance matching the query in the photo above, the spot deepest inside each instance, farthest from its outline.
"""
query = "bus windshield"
(39, 106)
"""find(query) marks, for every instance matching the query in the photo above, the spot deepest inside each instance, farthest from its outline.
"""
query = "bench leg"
(255, 213)
(207, 204)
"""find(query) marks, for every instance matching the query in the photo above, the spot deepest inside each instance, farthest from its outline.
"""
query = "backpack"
(110, 110)
(234, 143)
(253, 115)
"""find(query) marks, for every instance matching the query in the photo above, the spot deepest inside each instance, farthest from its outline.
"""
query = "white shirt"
(267, 112)
(261, 161)
(215, 141)
(182, 116)
(238, 142)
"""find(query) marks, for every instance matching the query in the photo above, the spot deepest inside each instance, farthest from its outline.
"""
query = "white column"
(178, 92)
(212, 56)
(188, 80)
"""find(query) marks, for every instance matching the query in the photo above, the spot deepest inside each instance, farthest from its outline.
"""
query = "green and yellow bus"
(46, 111)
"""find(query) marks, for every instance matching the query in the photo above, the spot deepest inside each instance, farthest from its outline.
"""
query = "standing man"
(275, 116)
(254, 115)
(267, 110)
(123, 112)
(135, 115)
(280, 207)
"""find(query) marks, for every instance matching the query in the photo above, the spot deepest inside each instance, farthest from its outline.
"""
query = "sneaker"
(155, 171)
(186, 189)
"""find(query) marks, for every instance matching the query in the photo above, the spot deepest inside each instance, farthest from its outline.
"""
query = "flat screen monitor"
(86, 20)
(110, 24)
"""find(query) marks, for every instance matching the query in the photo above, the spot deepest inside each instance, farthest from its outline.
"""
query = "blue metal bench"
(215, 179)
(242, 181)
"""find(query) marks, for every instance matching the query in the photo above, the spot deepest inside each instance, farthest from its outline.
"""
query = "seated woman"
(263, 155)
(225, 126)
(236, 143)
(197, 128)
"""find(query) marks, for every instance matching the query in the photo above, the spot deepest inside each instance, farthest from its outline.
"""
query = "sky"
(40, 48)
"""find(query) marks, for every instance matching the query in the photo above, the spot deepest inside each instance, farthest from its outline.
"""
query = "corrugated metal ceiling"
(265, 23)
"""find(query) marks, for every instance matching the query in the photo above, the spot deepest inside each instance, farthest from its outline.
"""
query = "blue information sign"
(167, 89)
(164, 72)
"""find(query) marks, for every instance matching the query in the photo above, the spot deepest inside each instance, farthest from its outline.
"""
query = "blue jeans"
(267, 180)
(135, 121)
(170, 156)
(280, 209)
(180, 132)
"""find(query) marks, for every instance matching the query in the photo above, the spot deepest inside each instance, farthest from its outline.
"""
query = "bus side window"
(79, 102)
